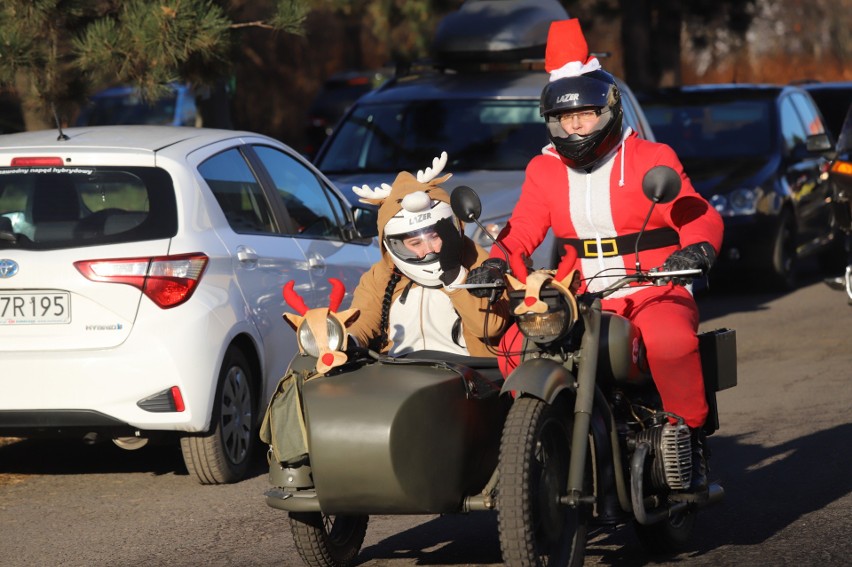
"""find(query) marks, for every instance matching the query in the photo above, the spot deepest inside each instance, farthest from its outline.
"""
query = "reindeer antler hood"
(416, 193)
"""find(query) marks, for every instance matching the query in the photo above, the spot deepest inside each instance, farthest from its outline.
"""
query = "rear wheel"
(535, 528)
(328, 541)
(223, 455)
(668, 536)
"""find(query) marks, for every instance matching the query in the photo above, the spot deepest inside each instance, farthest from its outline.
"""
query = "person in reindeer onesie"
(587, 187)
(405, 299)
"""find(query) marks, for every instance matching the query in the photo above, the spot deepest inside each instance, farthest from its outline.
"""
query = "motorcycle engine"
(671, 462)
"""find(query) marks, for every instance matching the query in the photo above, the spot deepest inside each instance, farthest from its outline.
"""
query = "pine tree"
(55, 52)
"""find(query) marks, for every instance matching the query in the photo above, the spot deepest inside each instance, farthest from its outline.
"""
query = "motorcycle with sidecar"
(574, 437)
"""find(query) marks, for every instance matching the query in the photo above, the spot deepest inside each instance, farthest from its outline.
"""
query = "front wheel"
(785, 262)
(535, 528)
(328, 541)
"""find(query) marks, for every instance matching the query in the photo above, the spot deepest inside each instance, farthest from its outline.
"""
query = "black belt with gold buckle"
(621, 245)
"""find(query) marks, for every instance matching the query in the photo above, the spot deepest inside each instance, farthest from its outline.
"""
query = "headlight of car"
(308, 342)
(736, 203)
(549, 326)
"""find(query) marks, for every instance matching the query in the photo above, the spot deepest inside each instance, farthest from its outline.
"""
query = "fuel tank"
(412, 438)
(621, 357)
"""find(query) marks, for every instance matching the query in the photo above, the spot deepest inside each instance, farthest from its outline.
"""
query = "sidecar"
(418, 435)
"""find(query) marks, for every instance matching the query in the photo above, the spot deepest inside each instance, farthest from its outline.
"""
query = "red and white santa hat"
(567, 54)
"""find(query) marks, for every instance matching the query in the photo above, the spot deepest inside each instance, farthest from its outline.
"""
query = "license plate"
(35, 308)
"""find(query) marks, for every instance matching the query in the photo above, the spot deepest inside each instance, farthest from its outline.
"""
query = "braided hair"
(382, 340)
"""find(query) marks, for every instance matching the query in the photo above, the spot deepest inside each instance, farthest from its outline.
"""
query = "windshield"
(723, 129)
(406, 136)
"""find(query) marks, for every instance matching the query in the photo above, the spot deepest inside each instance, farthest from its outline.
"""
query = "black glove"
(695, 256)
(451, 248)
(490, 271)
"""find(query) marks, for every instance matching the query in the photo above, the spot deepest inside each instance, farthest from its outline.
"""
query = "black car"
(757, 153)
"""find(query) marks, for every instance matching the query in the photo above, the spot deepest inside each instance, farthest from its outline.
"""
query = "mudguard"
(541, 378)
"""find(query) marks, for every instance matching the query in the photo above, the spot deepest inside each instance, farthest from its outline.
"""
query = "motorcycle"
(574, 437)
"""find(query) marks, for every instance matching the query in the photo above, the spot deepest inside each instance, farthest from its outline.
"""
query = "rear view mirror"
(366, 221)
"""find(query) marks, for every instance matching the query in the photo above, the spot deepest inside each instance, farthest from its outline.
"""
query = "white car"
(141, 275)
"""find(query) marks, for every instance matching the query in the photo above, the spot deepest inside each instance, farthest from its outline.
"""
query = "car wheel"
(223, 455)
(784, 256)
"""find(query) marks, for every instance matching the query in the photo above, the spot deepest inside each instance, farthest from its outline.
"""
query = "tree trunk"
(35, 117)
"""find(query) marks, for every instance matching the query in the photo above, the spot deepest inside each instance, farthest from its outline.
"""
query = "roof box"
(490, 31)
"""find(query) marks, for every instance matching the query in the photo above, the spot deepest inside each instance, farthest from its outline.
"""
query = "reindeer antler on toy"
(321, 331)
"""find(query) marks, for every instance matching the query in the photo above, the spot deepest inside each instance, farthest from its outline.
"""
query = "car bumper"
(748, 244)
(101, 388)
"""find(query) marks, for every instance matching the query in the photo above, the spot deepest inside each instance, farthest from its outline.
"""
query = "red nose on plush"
(529, 301)
(327, 359)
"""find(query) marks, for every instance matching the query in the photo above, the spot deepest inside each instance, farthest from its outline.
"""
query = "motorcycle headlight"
(736, 203)
(308, 342)
(549, 326)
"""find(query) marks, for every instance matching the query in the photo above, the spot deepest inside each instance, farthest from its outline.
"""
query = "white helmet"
(417, 217)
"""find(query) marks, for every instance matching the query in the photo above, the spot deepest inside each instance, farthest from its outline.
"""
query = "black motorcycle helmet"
(596, 89)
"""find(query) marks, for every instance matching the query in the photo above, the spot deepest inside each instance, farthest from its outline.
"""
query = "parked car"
(141, 275)
(832, 98)
(757, 153)
(125, 105)
(478, 100)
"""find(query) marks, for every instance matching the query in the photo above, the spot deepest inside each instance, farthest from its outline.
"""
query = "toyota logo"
(8, 268)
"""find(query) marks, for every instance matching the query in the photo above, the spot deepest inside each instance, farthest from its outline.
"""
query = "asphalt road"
(782, 454)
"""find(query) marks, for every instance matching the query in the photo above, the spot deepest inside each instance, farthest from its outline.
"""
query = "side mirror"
(366, 221)
(465, 203)
(819, 143)
(661, 184)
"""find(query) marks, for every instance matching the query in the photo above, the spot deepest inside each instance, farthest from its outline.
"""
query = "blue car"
(125, 105)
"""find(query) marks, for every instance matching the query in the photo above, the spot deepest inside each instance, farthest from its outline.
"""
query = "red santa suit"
(600, 213)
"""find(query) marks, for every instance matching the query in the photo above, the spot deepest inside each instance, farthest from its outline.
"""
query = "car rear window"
(711, 130)
(49, 208)
(476, 134)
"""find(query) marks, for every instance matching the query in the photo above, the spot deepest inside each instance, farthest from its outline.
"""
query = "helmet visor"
(597, 114)
(419, 246)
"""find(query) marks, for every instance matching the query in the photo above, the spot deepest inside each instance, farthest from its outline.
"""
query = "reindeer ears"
(377, 195)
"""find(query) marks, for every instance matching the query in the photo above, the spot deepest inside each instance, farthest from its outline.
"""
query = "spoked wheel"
(535, 528)
(328, 541)
(669, 536)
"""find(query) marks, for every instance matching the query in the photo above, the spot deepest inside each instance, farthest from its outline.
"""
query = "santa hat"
(567, 54)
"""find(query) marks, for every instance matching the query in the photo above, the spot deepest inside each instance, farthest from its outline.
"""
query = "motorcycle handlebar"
(651, 275)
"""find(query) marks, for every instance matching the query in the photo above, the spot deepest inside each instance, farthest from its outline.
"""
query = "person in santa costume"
(587, 187)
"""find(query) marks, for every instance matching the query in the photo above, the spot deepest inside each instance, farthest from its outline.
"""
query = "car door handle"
(247, 256)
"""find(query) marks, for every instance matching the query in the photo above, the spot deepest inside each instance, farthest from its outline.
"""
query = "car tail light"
(167, 280)
(36, 161)
(842, 167)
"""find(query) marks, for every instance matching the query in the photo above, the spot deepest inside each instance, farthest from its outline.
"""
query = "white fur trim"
(575, 69)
